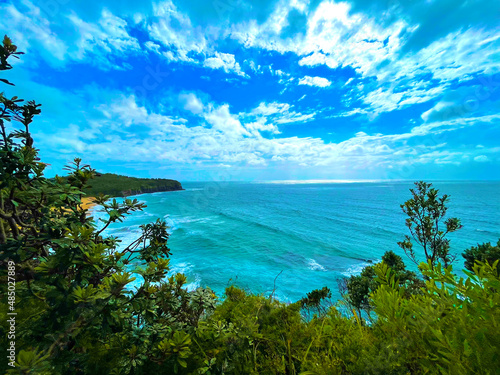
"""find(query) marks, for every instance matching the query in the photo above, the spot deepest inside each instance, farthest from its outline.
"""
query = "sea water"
(295, 236)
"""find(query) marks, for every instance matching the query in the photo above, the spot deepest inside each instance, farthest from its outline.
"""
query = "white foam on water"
(315, 266)
(128, 234)
(193, 219)
(182, 267)
(194, 284)
(358, 268)
(170, 223)
(186, 269)
(354, 270)
(177, 221)
(132, 234)
(99, 213)
(218, 222)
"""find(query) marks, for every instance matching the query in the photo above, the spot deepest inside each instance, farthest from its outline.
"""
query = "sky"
(262, 90)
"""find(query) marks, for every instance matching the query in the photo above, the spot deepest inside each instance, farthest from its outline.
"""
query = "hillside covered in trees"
(122, 186)
(68, 307)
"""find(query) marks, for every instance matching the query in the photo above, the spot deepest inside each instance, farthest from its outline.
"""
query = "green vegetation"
(79, 313)
(483, 253)
(357, 289)
(123, 186)
(426, 212)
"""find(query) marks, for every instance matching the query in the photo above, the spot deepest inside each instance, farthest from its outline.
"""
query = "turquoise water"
(247, 233)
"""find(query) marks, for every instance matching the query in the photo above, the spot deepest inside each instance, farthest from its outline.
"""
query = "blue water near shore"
(245, 234)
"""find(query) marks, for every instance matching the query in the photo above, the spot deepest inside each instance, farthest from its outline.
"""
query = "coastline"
(131, 193)
(88, 201)
(88, 204)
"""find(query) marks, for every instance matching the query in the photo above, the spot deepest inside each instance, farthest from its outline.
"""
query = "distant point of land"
(123, 186)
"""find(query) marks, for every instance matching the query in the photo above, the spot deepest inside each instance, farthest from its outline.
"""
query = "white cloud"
(36, 29)
(278, 113)
(100, 43)
(187, 43)
(224, 137)
(192, 103)
(314, 81)
(153, 46)
(454, 124)
(225, 61)
(222, 120)
(481, 158)
(337, 37)
(334, 36)
(387, 99)
(455, 56)
(175, 31)
(268, 109)
(295, 117)
(117, 128)
(261, 125)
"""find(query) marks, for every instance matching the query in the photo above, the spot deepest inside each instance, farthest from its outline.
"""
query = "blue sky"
(263, 90)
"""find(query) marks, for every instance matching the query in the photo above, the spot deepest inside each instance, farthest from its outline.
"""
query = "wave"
(315, 266)
(291, 234)
(175, 223)
(356, 269)
(183, 267)
(194, 284)
(193, 219)
(345, 221)
(488, 232)
(318, 236)
(127, 236)
(256, 222)
(186, 268)
(170, 224)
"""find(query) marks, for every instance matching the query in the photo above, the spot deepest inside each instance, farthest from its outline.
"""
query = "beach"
(87, 204)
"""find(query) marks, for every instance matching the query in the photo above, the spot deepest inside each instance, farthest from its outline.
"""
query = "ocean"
(310, 233)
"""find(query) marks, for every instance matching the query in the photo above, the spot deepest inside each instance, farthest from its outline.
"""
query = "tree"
(483, 253)
(314, 300)
(77, 311)
(427, 224)
(425, 211)
(357, 289)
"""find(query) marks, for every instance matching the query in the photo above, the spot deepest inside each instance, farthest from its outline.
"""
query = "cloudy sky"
(259, 90)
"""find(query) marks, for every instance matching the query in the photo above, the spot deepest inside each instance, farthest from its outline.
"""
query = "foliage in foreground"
(79, 313)
(483, 253)
(357, 289)
(426, 212)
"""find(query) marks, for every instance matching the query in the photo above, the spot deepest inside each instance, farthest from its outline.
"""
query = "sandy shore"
(87, 203)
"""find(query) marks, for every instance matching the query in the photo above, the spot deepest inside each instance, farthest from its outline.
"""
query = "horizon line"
(345, 181)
